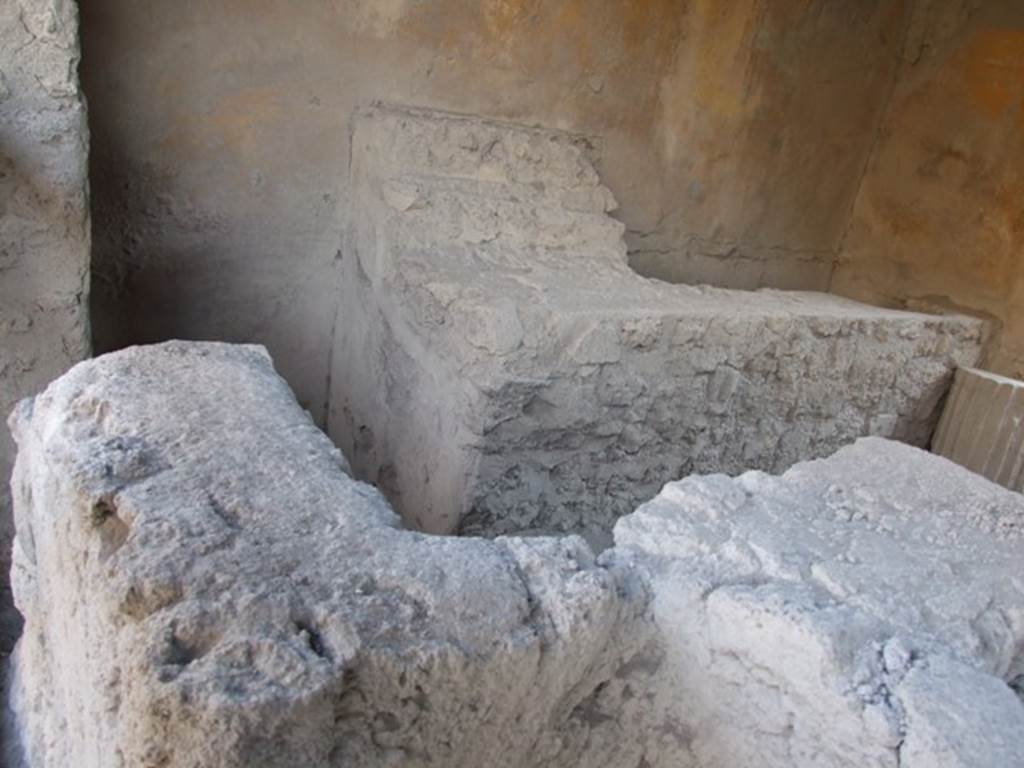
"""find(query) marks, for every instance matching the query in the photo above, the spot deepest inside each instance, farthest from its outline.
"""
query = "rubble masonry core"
(487, 307)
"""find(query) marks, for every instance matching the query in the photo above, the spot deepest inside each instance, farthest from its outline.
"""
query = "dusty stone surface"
(44, 221)
(488, 288)
(862, 610)
(206, 586)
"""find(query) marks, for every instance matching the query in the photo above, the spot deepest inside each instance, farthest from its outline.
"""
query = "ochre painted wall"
(733, 134)
(765, 119)
(939, 221)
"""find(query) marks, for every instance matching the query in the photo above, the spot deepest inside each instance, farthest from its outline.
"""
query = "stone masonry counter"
(205, 586)
(498, 368)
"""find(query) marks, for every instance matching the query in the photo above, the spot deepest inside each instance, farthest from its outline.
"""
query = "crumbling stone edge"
(205, 584)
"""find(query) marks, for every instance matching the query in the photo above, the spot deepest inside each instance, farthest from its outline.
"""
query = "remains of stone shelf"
(488, 308)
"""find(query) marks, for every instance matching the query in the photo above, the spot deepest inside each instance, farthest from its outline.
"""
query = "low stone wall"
(205, 586)
(498, 368)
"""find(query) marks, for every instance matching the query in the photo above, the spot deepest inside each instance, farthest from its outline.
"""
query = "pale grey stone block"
(982, 426)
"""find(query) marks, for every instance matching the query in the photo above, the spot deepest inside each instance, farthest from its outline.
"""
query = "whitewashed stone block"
(982, 426)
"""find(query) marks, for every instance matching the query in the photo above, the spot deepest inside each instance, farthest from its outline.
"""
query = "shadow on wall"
(734, 265)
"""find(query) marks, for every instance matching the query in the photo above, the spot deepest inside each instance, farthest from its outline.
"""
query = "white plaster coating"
(487, 288)
(44, 220)
(206, 586)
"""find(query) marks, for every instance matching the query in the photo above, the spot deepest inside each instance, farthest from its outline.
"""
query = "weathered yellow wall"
(939, 221)
(734, 135)
(764, 122)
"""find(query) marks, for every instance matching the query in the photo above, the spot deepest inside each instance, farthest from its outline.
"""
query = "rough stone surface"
(205, 586)
(44, 221)
(982, 426)
(859, 611)
(488, 309)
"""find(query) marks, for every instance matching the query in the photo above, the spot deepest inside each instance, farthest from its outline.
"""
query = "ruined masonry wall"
(488, 307)
(982, 426)
(44, 221)
(205, 586)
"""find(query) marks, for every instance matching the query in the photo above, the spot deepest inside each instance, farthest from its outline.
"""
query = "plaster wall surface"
(44, 221)
(206, 586)
(939, 220)
(220, 140)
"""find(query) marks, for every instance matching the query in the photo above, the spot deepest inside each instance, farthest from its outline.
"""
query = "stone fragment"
(982, 426)
(862, 610)
(205, 586)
